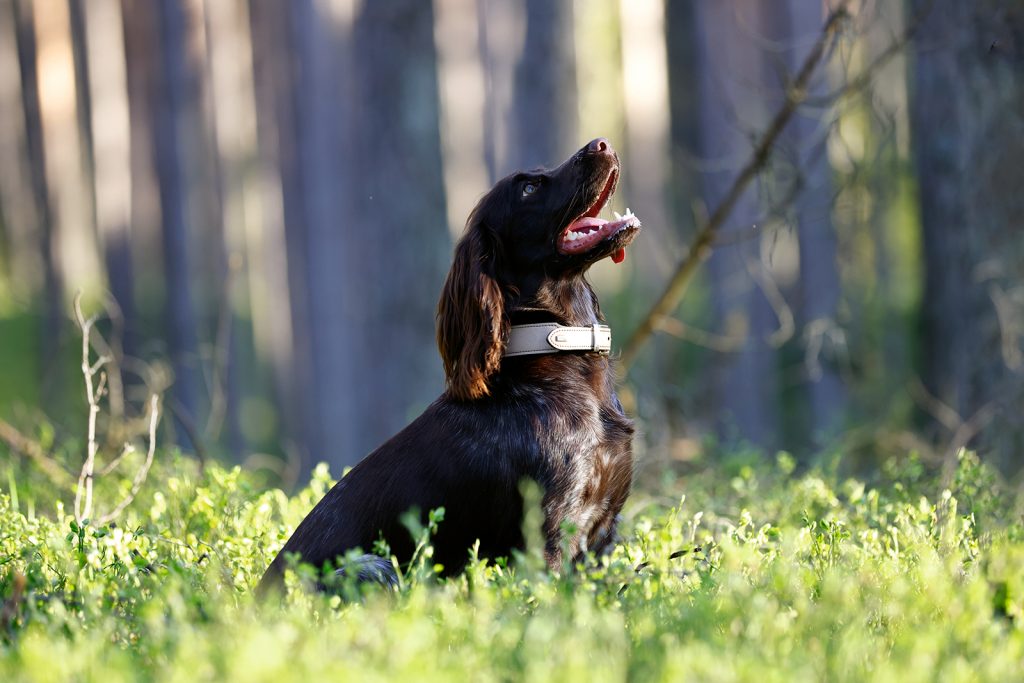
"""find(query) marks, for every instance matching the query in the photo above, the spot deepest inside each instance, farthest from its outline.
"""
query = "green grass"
(788, 577)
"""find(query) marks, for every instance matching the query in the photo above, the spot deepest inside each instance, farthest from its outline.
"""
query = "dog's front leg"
(557, 521)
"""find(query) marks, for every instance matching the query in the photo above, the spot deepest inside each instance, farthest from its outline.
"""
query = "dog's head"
(531, 230)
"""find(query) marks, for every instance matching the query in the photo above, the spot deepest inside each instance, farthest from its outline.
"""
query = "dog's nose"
(598, 145)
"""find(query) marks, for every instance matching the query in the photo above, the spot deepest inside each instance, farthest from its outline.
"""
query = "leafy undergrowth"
(754, 573)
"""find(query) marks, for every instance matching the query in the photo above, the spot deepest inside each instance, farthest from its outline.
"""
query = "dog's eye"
(529, 188)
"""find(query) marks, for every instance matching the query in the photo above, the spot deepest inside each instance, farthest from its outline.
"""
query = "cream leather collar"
(538, 338)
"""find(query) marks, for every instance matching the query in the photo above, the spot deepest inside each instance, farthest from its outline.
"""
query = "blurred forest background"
(262, 196)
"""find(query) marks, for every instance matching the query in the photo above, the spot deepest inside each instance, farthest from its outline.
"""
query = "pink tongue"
(619, 256)
(586, 222)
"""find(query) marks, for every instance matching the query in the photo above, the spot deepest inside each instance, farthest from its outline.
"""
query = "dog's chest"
(587, 443)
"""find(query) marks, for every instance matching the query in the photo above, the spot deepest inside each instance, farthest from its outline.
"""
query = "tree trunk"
(397, 239)
(142, 238)
(176, 95)
(110, 152)
(732, 109)
(285, 254)
(968, 118)
(461, 75)
(24, 276)
(233, 123)
(543, 129)
(819, 275)
(501, 31)
(333, 230)
(52, 329)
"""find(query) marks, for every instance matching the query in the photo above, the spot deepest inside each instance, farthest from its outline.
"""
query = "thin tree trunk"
(234, 130)
(141, 241)
(461, 75)
(819, 274)
(399, 244)
(333, 227)
(285, 252)
(111, 161)
(544, 126)
(83, 95)
(52, 330)
(500, 23)
(646, 148)
(687, 407)
(21, 223)
(746, 382)
(968, 118)
(175, 95)
(59, 107)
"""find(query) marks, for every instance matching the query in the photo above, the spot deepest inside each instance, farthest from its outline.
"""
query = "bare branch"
(701, 249)
(113, 350)
(963, 431)
(730, 343)
(783, 313)
(1011, 326)
(775, 215)
(943, 414)
(964, 434)
(85, 477)
(864, 78)
(815, 334)
(140, 476)
(722, 343)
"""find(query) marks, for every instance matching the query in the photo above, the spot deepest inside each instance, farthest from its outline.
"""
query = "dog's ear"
(471, 322)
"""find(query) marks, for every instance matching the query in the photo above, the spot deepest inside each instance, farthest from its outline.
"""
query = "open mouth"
(588, 231)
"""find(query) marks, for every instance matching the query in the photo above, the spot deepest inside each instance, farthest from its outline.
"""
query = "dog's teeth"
(571, 237)
(618, 216)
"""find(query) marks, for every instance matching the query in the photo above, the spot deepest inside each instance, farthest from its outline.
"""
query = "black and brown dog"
(553, 417)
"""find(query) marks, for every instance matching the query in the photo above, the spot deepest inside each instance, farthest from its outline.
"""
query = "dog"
(530, 393)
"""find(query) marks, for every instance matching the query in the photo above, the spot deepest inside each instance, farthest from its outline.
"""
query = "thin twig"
(730, 343)
(815, 333)
(776, 215)
(114, 351)
(702, 246)
(720, 343)
(964, 434)
(773, 295)
(963, 431)
(942, 413)
(864, 78)
(1011, 326)
(85, 477)
(140, 476)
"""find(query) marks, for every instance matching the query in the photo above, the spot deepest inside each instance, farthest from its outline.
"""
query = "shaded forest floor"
(784, 576)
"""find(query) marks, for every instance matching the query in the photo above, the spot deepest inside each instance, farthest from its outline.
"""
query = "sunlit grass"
(781, 577)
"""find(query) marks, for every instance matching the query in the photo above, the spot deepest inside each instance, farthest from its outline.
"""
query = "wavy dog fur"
(554, 418)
